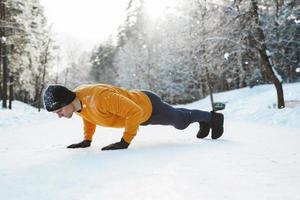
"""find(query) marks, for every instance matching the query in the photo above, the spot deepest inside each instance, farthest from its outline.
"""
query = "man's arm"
(122, 106)
(89, 130)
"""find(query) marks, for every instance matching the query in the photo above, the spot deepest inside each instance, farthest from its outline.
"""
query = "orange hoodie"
(111, 106)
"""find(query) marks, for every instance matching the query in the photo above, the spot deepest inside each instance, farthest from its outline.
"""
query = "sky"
(85, 23)
(80, 26)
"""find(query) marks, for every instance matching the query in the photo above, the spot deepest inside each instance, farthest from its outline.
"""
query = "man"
(111, 106)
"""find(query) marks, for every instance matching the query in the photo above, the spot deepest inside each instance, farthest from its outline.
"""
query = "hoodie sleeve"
(122, 106)
(89, 130)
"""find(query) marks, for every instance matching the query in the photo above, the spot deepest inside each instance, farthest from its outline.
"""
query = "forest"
(193, 48)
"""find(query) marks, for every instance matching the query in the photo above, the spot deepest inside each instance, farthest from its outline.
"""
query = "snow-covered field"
(257, 158)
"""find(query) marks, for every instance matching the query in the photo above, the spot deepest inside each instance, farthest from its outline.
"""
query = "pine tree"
(102, 64)
(33, 47)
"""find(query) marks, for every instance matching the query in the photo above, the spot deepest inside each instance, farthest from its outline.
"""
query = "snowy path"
(251, 161)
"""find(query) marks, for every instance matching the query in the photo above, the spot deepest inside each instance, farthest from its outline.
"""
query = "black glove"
(118, 145)
(83, 144)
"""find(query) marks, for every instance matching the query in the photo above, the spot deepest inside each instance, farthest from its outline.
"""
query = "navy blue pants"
(180, 118)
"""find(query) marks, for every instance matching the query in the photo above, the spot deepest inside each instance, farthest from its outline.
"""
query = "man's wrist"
(124, 143)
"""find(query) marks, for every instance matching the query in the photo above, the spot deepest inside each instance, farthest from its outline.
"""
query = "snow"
(298, 69)
(258, 105)
(226, 56)
(257, 158)
(3, 39)
(21, 114)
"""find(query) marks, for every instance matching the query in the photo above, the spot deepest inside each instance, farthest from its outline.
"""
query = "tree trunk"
(11, 91)
(5, 76)
(66, 76)
(261, 46)
(43, 85)
(205, 63)
(1, 94)
(270, 73)
(210, 89)
(44, 72)
(3, 56)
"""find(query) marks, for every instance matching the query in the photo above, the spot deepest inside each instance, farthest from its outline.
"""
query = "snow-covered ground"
(257, 158)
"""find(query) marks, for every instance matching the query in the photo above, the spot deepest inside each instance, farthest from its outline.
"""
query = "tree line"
(196, 48)
(202, 45)
(26, 50)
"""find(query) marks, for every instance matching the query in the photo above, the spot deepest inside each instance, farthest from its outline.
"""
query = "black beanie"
(57, 96)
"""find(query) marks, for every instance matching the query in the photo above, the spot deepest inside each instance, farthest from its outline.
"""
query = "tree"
(45, 58)
(78, 71)
(199, 42)
(283, 37)
(32, 48)
(260, 44)
(102, 64)
(131, 48)
(3, 51)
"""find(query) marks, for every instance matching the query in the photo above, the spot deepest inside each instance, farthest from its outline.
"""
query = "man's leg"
(180, 118)
(204, 125)
(207, 121)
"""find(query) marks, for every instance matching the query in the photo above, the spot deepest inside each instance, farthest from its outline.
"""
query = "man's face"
(66, 111)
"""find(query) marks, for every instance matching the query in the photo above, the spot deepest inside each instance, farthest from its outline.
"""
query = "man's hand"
(83, 144)
(118, 145)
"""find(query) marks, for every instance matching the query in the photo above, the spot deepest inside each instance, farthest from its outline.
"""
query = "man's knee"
(181, 126)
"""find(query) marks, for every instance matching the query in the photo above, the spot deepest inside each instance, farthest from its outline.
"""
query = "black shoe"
(216, 124)
(203, 130)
